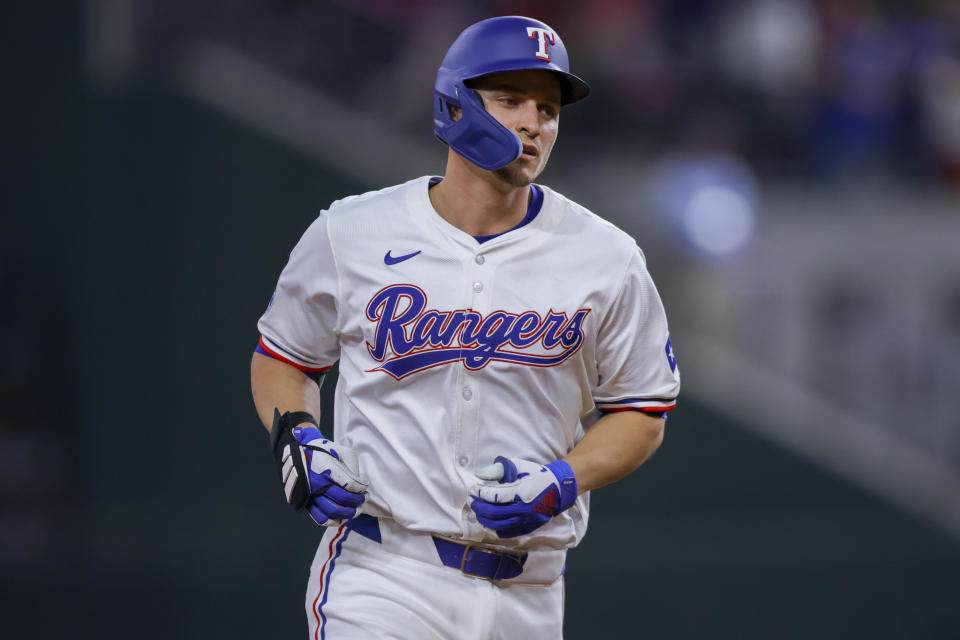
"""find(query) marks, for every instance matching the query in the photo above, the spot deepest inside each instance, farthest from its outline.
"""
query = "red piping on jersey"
(274, 354)
(644, 409)
(323, 571)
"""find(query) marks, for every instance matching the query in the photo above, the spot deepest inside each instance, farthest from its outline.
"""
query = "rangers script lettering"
(423, 339)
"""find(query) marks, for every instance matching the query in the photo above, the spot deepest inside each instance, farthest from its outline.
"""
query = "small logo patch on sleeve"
(672, 359)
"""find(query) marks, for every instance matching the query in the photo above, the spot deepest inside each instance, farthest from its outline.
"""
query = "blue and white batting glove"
(318, 475)
(519, 496)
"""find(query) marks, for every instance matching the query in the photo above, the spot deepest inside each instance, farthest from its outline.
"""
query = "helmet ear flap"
(442, 117)
(443, 106)
(477, 136)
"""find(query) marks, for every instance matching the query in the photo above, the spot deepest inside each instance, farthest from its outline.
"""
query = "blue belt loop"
(367, 526)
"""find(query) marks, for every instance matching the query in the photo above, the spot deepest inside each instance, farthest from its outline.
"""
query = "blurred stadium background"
(791, 168)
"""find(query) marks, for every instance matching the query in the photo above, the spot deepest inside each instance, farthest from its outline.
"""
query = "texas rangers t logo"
(542, 35)
(408, 338)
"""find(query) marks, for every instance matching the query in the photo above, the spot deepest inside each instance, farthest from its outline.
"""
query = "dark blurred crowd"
(832, 89)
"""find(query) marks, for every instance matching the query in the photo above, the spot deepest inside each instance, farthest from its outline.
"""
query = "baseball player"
(502, 352)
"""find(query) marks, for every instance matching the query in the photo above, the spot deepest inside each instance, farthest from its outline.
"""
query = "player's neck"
(476, 201)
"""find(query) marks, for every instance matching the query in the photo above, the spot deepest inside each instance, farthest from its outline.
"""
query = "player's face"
(528, 104)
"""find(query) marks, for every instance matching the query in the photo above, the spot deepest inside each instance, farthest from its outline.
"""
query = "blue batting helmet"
(508, 43)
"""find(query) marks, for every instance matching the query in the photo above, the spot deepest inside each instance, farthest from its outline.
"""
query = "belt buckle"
(463, 562)
(496, 552)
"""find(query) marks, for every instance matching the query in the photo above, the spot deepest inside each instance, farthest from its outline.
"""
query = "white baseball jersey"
(454, 352)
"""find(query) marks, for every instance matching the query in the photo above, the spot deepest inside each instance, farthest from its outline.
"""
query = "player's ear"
(455, 112)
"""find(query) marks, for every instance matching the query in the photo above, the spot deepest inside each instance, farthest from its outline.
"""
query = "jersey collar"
(542, 215)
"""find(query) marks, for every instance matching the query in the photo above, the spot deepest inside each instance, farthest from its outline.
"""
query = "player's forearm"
(615, 446)
(277, 385)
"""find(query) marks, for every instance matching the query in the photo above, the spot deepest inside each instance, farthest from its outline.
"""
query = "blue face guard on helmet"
(509, 43)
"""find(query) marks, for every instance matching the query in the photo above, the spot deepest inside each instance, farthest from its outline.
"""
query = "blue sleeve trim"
(652, 412)
(316, 376)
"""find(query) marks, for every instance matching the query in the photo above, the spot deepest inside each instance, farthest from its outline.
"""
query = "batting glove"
(318, 475)
(519, 496)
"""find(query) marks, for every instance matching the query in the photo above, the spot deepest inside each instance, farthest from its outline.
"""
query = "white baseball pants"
(360, 589)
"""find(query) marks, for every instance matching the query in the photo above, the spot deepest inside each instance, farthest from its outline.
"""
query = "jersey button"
(480, 259)
(464, 461)
(467, 393)
(478, 286)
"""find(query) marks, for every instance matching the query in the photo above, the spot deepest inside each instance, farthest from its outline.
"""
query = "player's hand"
(519, 496)
(318, 475)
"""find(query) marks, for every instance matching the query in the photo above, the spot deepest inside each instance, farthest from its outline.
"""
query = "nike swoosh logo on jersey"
(389, 259)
